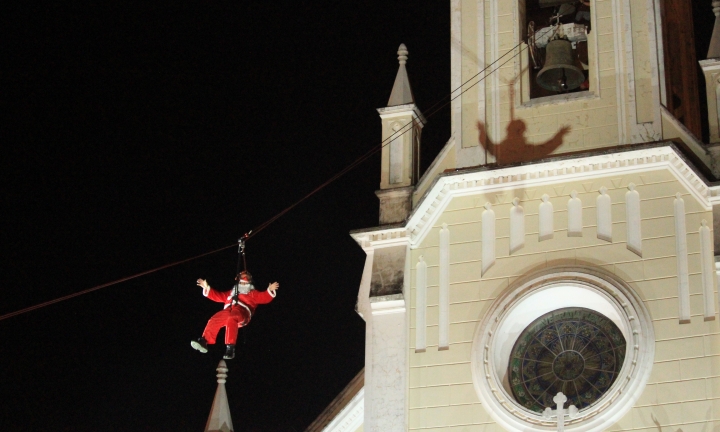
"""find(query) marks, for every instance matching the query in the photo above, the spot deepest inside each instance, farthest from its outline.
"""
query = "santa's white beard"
(244, 288)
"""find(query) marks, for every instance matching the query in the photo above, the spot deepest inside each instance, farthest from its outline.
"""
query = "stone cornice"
(388, 236)
(400, 110)
(554, 170)
(710, 64)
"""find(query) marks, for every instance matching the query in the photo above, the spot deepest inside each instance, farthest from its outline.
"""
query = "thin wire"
(389, 139)
(265, 224)
(117, 281)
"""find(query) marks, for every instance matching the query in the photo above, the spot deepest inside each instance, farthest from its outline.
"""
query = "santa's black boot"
(200, 345)
(229, 352)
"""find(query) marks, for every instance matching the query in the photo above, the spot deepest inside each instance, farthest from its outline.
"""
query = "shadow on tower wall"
(515, 148)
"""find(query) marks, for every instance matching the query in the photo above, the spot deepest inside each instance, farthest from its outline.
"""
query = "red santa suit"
(235, 314)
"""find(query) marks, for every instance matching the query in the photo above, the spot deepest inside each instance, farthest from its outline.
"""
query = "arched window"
(569, 22)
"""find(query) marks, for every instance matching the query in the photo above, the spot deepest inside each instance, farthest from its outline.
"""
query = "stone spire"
(401, 93)
(714, 50)
(402, 124)
(219, 420)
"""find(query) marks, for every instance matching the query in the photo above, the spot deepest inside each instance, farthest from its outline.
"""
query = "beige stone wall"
(684, 389)
(622, 46)
(593, 119)
(444, 160)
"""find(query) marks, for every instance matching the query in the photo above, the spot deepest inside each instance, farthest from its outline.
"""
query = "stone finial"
(716, 7)
(403, 52)
(401, 93)
(222, 371)
(220, 419)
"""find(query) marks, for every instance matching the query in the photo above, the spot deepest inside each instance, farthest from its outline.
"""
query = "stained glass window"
(576, 351)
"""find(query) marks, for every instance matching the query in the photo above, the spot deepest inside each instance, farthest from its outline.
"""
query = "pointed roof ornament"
(401, 93)
(714, 50)
(219, 420)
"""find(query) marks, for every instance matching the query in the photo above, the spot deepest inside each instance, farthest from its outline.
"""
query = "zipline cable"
(265, 224)
(117, 281)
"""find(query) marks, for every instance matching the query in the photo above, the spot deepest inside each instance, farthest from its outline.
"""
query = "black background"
(136, 134)
(142, 133)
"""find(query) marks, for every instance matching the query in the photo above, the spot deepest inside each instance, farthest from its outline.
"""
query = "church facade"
(554, 268)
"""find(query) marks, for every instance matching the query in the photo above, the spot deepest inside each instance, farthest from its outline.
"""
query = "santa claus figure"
(240, 304)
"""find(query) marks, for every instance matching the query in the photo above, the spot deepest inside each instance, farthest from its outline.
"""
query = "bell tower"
(402, 124)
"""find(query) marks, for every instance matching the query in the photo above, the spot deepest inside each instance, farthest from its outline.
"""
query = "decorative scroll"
(420, 306)
(632, 220)
(708, 270)
(444, 297)
(575, 223)
(545, 214)
(604, 215)
(488, 238)
(517, 226)
(682, 260)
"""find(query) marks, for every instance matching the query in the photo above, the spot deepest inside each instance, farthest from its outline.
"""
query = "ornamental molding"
(563, 169)
(402, 110)
(482, 180)
(381, 238)
(386, 305)
(351, 417)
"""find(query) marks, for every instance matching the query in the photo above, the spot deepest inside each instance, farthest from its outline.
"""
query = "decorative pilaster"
(488, 238)
(420, 305)
(545, 215)
(517, 226)
(384, 288)
(708, 270)
(444, 290)
(632, 220)
(604, 215)
(681, 251)
(575, 223)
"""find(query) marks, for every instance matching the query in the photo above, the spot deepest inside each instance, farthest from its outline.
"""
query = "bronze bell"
(560, 73)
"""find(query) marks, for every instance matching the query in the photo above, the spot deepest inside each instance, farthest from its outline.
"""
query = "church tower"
(554, 268)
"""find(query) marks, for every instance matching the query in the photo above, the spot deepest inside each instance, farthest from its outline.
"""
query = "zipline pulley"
(241, 251)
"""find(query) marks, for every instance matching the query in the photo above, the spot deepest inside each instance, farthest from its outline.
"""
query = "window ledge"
(561, 98)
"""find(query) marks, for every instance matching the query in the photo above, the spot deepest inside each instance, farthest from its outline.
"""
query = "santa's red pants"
(231, 318)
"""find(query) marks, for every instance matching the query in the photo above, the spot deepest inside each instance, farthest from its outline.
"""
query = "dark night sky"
(142, 133)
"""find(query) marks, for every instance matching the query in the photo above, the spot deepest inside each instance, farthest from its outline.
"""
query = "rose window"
(574, 350)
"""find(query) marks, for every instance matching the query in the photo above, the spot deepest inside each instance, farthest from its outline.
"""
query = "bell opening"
(562, 64)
